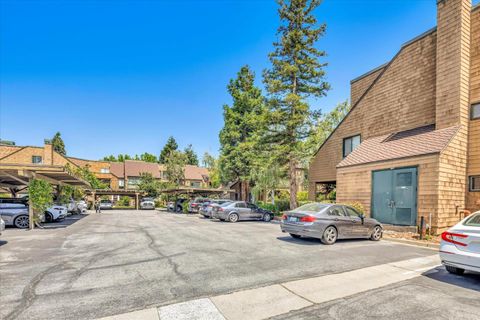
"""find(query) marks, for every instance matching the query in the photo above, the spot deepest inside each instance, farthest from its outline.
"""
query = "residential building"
(410, 146)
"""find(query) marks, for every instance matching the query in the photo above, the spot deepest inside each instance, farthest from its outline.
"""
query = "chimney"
(47, 152)
(453, 63)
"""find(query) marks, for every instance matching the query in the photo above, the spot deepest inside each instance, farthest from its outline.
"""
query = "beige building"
(410, 146)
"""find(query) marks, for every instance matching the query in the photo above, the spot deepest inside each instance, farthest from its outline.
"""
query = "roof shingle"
(409, 143)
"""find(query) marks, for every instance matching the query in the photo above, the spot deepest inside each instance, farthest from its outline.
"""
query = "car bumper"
(301, 229)
(451, 256)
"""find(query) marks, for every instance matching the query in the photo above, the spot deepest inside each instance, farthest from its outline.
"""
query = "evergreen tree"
(110, 158)
(170, 146)
(148, 157)
(175, 167)
(296, 74)
(242, 124)
(192, 157)
(58, 145)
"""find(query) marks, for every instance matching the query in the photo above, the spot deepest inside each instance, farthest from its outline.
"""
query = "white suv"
(55, 213)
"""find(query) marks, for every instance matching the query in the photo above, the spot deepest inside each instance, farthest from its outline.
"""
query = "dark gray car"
(330, 222)
(241, 210)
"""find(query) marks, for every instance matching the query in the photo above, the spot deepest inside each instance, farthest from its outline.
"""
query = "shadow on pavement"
(3, 242)
(469, 280)
(68, 221)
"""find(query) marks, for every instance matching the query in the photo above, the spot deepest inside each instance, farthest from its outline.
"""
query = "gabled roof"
(134, 168)
(195, 173)
(404, 144)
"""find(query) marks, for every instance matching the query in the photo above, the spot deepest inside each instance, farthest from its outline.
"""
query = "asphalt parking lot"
(98, 265)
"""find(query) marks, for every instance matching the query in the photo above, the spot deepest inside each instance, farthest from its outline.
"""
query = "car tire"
(21, 222)
(455, 270)
(295, 236)
(267, 217)
(48, 217)
(329, 235)
(233, 217)
(376, 233)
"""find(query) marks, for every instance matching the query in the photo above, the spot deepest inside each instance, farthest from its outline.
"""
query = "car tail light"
(308, 219)
(450, 237)
(194, 204)
(220, 209)
(284, 217)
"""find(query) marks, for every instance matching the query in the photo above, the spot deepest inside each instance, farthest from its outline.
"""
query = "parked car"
(171, 206)
(2, 225)
(147, 203)
(14, 214)
(105, 204)
(206, 209)
(195, 204)
(460, 246)
(330, 222)
(55, 213)
(82, 206)
(241, 210)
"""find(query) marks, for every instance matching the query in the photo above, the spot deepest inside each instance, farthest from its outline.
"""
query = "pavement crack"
(29, 292)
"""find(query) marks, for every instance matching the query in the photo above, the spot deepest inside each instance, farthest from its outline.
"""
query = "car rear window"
(312, 207)
(473, 221)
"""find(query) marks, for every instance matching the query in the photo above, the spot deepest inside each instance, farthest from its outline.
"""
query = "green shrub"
(124, 201)
(302, 196)
(159, 203)
(185, 206)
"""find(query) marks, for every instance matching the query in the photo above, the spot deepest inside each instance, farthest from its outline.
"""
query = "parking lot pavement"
(122, 261)
(436, 295)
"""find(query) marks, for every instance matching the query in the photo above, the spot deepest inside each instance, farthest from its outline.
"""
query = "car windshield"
(147, 199)
(312, 207)
(473, 221)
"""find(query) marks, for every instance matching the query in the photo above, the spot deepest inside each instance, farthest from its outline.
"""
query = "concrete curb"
(433, 246)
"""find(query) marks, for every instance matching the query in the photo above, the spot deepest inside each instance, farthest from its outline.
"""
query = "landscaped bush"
(302, 196)
(185, 206)
(124, 202)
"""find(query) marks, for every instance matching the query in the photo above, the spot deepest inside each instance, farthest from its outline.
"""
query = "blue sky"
(122, 76)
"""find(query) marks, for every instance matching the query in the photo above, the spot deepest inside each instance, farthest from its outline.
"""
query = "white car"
(460, 246)
(2, 225)
(55, 213)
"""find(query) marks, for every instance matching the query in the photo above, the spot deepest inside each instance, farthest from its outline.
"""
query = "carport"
(203, 192)
(16, 178)
(108, 192)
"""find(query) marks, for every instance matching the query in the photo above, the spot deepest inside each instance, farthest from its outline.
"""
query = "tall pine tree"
(169, 147)
(239, 136)
(295, 75)
(191, 156)
(58, 145)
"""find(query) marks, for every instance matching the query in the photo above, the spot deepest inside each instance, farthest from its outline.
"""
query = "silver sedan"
(330, 222)
(14, 214)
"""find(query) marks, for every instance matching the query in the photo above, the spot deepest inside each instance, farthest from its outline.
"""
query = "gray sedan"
(14, 214)
(330, 222)
(240, 210)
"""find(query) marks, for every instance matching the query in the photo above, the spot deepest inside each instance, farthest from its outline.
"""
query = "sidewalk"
(273, 300)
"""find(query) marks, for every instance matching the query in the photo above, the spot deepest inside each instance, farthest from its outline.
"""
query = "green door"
(394, 196)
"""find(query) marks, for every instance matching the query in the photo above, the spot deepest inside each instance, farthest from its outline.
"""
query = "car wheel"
(233, 217)
(179, 209)
(455, 270)
(267, 217)
(376, 234)
(48, 217)
(21, 222)
(329, 235)
(296, 236)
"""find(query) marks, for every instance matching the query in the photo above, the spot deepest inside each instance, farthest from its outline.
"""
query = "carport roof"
(200, 191)
(17, 175)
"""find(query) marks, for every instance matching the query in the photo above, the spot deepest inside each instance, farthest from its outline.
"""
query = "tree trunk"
(292, 175)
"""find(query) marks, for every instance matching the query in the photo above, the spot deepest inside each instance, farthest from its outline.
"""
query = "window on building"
(36, 159)
(350, 144)
(195, 184)
(104, 170)
(474, 183)
(133, 182)
(475, 111)
(121, 183)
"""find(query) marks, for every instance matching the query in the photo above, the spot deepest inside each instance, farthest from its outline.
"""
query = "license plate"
(292, 219)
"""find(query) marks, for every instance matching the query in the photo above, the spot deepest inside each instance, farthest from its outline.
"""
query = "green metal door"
(394, 196)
